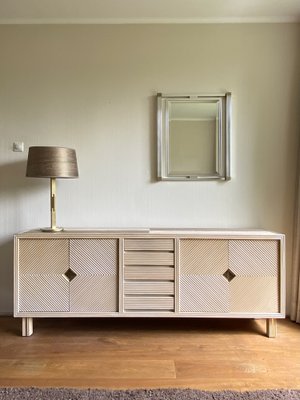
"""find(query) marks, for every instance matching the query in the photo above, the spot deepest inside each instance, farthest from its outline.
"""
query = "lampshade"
(51, 162)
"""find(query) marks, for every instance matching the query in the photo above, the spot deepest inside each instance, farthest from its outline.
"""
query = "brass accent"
(229, 275)
(70, 274)
(53, 227)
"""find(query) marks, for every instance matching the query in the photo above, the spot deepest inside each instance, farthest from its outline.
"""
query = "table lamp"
(52, 162)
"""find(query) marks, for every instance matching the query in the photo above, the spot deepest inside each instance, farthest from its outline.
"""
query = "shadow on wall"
(13, 181)
(14, 186)
(6, 274)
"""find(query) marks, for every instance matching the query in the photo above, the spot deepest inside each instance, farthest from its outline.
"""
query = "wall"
(93, 88)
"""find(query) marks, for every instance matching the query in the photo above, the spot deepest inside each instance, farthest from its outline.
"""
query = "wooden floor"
(146, 353)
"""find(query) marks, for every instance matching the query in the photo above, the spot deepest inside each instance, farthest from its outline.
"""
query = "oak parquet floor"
(208, 354)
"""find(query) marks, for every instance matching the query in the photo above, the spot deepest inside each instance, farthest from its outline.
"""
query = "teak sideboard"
(149, 273)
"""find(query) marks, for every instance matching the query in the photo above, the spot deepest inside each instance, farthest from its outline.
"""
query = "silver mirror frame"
(223, 155)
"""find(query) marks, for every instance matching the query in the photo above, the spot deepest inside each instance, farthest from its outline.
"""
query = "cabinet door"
(94, 273)
(42, 283)
(229, 276)
(254, 284)
(202, 287)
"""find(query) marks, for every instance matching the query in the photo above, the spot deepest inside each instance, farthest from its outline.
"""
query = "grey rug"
(147, 394)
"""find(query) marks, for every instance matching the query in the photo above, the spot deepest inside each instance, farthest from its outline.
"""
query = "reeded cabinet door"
(42, 283)
(94, 270)
(229, 276)
(202, 286)
(254, 288)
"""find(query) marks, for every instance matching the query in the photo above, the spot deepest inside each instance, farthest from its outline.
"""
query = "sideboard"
(149, 273)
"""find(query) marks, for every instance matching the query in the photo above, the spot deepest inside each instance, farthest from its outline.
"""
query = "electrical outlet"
(18, 146)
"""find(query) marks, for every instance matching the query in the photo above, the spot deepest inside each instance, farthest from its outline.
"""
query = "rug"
(142, 394)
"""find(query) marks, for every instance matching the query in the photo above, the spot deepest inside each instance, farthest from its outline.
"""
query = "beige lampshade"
(51, 162)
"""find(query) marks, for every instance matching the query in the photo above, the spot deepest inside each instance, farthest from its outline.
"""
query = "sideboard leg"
(271, 327)
(27, 326)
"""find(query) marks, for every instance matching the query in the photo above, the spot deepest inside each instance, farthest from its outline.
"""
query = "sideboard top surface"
(152, 232)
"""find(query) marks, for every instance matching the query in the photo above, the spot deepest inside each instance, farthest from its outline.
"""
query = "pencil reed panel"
(43, 256)
(131, 288)
(254, 257)
(43, 293)
(149, 303)
(94, 294)
(148, 258)
(94, 256)
(204, 294)
(205, 256)
(149, 244)
(254, 294)
(149, 273)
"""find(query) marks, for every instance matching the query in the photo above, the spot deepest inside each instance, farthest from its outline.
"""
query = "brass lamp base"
(52, 229)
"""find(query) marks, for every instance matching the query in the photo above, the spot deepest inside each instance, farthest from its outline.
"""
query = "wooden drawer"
(162, 288)
(149, 273)
(149, 303)
(148, 258)
(149, 244)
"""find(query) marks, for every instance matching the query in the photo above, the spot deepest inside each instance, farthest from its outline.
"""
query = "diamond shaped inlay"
(229, 275)
(70, 274)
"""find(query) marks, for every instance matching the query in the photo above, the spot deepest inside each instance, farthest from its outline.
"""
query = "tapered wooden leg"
(27, 326)
(271, 327)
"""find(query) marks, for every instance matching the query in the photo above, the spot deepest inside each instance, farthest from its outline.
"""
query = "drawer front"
(149, 273)
(149, 258)
(149, 244)
(149, 288)
(149, 303)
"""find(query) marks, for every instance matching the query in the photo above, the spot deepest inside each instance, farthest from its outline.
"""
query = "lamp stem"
(53, 203)
(53, 227)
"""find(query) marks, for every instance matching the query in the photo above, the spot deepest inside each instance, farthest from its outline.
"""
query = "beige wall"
(93, 88)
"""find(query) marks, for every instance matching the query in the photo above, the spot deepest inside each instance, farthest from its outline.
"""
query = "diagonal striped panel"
(94, 294)
(42, 256)
(254, 257)
(203, 293)
(94, 256)
(203, 256)
(254, 294)
(43, 293)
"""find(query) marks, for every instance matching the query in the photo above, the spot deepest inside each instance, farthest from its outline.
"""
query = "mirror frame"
(223, 138)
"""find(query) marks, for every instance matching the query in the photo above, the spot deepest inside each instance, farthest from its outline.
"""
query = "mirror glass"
(193, 137)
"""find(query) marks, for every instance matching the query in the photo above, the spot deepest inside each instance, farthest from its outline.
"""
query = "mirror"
(193, 137)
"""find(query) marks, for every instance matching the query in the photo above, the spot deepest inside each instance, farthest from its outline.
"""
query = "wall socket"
(18, 146)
